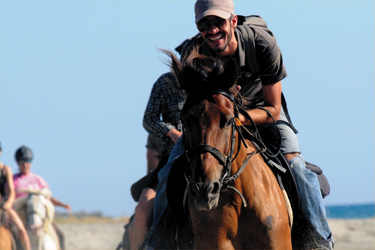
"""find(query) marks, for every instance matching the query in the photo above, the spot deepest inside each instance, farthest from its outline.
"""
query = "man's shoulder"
(255, 31)
(167, 75)
(165, 81)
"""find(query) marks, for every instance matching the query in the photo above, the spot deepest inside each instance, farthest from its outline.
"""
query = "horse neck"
(241, 154)
(245, 181)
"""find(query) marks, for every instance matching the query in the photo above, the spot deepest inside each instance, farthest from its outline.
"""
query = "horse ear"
(230, 74)
(176, 69)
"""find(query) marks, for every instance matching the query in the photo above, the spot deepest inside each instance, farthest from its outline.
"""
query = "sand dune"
(348, 234)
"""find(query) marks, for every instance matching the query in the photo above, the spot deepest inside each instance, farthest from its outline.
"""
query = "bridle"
(226, 160)
(44, 217)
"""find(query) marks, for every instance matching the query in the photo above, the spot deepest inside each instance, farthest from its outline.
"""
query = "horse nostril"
(213, 189)
(216, 189)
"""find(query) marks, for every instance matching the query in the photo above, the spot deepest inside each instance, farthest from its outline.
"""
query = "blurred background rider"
(162, 120)
(25, 179)
(7, 197)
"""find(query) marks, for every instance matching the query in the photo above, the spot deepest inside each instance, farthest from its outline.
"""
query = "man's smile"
(215, 38)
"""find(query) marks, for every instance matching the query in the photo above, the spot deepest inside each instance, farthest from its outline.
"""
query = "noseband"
(225, 161)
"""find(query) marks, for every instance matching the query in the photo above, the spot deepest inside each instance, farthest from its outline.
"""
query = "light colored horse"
(36, 212)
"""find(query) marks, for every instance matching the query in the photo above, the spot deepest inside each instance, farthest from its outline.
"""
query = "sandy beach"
(348, 234)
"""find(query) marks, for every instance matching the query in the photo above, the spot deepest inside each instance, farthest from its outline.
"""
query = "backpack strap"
(285, 107)
(248, 35)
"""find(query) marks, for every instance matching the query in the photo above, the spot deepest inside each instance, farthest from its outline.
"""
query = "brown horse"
(234, 199)
(6, 238)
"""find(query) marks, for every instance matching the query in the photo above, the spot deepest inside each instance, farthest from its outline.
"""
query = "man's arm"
(151, 119)
(272, 102)
(60, 204)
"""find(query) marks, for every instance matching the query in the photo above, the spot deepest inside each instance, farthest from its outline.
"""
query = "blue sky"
(76, 77)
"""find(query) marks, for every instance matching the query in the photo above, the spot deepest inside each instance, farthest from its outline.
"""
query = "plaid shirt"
(166, 102)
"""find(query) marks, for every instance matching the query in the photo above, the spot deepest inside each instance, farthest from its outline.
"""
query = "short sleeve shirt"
(30, 181)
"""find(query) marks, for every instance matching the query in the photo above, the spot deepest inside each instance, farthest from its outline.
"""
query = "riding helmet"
(24, 154)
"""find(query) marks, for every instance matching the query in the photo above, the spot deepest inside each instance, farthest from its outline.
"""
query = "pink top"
(30, 181)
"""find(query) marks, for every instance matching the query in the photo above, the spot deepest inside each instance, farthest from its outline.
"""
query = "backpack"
(245, 24)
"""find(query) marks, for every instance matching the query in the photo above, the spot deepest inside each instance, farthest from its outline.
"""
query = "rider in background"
(162, 120)
(7, 195)
(25, 179)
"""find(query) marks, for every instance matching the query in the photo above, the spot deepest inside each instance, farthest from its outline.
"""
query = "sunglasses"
(24, 161)
(205, 24)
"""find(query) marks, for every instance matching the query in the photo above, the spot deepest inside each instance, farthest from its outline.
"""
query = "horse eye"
(229, 123)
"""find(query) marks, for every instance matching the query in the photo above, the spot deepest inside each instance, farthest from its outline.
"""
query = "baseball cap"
(220, 8)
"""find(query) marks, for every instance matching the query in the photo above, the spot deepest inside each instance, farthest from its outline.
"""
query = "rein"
(226, 161)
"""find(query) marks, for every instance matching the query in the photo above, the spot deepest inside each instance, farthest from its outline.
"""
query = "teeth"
(216, 37)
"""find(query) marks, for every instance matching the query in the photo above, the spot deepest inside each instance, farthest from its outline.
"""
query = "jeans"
(161, 190)
(311, 200)
(161, 202)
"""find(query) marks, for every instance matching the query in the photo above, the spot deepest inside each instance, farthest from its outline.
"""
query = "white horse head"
(39, 212)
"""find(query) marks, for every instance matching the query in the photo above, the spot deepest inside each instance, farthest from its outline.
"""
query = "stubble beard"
(230, 34)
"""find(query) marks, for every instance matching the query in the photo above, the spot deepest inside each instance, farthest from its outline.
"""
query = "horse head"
(207, 116)
(39, 210)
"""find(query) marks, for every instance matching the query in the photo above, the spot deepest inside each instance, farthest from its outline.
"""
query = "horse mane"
(197, 72)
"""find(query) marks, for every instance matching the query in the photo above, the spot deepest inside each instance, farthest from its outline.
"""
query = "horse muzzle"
(205, 195)
(36, 230)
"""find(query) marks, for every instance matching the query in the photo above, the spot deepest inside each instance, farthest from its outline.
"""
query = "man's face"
(219, 34)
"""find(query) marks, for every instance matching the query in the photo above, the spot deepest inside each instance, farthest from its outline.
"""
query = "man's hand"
(243, 120)
(67, 207)
(174, 134)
